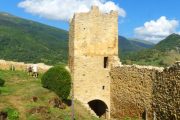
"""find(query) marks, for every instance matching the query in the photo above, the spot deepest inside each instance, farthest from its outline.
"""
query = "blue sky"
(164, 13)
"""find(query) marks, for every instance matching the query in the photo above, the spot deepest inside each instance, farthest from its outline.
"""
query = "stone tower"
(93, 51)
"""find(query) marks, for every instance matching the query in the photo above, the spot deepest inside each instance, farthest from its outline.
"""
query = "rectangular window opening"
(105, 62)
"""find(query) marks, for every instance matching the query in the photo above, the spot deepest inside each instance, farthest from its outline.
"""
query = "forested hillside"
(29, 41)
(164, 53)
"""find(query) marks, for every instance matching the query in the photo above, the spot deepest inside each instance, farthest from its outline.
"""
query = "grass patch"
(6, 90)
(18, 92)
(13, 114)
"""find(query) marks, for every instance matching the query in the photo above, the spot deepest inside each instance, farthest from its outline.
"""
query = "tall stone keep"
(93, 51)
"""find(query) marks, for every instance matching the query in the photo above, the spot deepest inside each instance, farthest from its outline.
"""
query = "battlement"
(95, 11)
(94, 33)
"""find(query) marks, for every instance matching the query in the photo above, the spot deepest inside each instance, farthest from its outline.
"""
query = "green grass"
(13, 114)
(16, 98)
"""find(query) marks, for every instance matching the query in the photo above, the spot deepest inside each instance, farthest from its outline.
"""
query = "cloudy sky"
(150, 20)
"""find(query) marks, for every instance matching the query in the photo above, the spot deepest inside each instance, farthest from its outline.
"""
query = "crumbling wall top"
(160, 69)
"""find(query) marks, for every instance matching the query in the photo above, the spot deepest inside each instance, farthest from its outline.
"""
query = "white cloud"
(156, 31)
(64, 9)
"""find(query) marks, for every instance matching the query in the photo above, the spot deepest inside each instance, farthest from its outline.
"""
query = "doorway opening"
(99, 107)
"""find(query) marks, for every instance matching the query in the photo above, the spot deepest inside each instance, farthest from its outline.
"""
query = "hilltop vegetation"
(28, 41)
(164, 53)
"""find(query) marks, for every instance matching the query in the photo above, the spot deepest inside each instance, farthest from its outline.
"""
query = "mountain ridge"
(29, 41)
(164, 53)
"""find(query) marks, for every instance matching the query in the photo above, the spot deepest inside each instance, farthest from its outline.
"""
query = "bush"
(13, 114)
(1, 82)
(57, 79)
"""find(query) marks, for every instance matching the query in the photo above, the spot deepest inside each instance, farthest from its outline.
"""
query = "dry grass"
(18, 92)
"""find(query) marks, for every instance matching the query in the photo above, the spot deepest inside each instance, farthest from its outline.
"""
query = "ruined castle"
(112, 90)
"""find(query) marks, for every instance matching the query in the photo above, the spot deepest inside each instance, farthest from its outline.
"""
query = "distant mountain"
(172, 42)
(164, 53)
(127, 46)
(29, 41)
(142, 43)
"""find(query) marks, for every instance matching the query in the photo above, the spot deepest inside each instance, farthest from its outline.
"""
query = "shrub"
(1, 82)
(57, 79)
(13, 114)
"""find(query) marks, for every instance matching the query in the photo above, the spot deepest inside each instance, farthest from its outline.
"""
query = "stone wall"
(94, 33)
(166, 92)
(131, 91)
(5, 65)
(93, 37)
(128, 91)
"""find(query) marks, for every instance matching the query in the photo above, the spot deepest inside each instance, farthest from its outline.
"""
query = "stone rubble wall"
(93, 37)
(131, 91)
(139, 90)
(166, 102)
(6, 65)
(127, 90)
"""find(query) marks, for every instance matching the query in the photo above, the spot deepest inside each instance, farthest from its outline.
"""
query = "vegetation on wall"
(57, 79)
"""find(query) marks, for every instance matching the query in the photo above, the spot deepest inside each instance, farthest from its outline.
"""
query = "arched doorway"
(99, 107)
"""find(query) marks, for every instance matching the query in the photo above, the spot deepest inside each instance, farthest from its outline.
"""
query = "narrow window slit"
(105, 62)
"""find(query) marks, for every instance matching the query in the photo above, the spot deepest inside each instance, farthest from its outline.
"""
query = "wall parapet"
(160, 69)
(5, 65)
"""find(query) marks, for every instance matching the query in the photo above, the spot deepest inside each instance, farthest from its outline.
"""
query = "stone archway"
(99, 107)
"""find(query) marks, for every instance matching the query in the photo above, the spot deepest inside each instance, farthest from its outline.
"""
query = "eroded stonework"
(118, 91)
(131, 91)
(145, 92)
(166, 92)
(93, 50)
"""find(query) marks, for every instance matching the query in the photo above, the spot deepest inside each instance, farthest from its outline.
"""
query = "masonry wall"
(131, 91)
(167, 94)
(94, 33)
(93, 36)
(128, 91)
(5, 65)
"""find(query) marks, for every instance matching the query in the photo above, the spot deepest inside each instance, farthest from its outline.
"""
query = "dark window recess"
(103, 87)
(105, 62)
